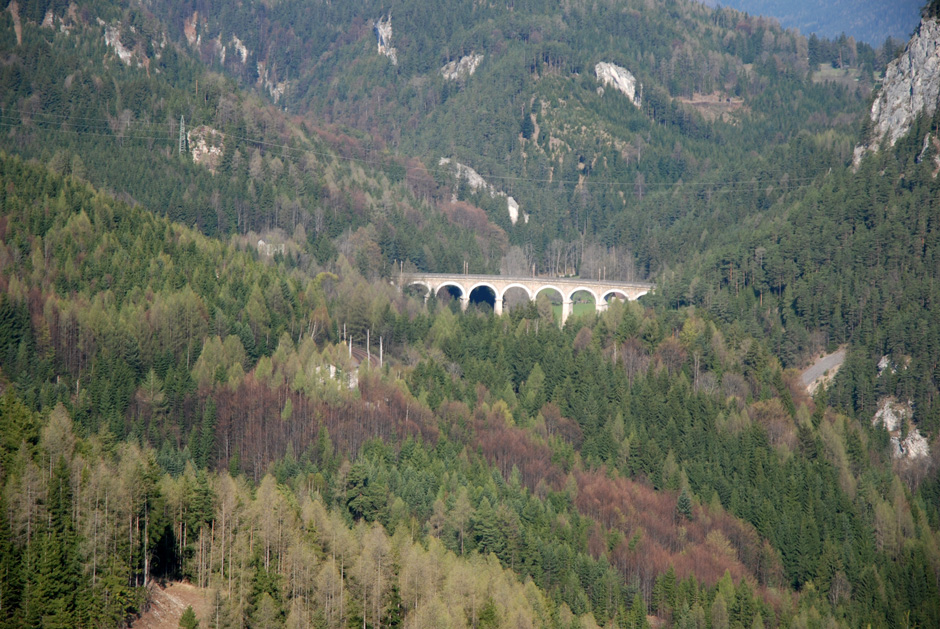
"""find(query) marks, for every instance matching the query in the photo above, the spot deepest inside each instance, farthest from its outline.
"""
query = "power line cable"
(103, 127)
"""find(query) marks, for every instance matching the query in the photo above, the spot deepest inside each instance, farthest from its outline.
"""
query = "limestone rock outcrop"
(911, 85)
(267, 80)
(461, 68)
(198, 34)
(476, 182)
(383, 38)
(621, 80)
(206, 145)
(112, 37)
(133, 54)
(906, 440)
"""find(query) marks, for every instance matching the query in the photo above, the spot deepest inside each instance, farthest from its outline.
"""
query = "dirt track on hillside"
(168, 604)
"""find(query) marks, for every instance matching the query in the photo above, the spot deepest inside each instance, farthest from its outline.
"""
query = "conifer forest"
(214, 374)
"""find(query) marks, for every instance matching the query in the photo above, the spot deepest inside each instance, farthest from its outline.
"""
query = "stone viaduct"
(499, 284)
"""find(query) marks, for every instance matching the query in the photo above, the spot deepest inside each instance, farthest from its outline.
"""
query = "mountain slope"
(224, 396)
(599, 166)
(635, 468)
(116, 121)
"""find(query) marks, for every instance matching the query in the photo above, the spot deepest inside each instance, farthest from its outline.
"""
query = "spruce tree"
(188, 620)
(684, 505)
(207, 435)
(11, 588)
(61, 582)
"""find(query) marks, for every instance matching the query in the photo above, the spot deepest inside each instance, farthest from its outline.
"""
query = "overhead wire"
(104, 127)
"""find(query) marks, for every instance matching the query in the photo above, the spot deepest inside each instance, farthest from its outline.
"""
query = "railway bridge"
(601, 290)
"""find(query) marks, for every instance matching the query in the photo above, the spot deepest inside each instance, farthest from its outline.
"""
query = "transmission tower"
(182, 134)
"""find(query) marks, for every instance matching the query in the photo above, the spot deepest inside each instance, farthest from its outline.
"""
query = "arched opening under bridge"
(552, 299)
(483, 297)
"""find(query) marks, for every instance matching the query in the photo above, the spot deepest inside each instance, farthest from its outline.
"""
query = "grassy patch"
(577, 310)
(841, 76)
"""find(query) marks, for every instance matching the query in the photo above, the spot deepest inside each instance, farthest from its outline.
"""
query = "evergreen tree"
(11, 587)
(61, 585)
(636, 619)
(684, 505)
(188, 620)
(207, 438)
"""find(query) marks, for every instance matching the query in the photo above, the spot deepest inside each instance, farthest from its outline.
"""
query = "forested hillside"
(619, 467)
(853, 260)
(730, 119)
(87, 112)
(208, 374)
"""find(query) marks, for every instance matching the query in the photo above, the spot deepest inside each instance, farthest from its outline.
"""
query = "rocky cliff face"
(476, 182)
(620, 79)
(906, 440)
(461, 68)
(383, 38)
(267, 80)
(911, 85)
(207, 145)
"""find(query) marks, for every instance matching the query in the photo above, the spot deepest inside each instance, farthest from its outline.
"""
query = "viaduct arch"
(499, 284)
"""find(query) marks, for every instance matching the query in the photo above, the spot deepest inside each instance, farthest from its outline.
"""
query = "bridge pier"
(601, 306)
(498, 307)
(464, 302)
(567, 307)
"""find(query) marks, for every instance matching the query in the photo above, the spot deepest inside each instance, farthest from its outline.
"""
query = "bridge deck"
(568, 281)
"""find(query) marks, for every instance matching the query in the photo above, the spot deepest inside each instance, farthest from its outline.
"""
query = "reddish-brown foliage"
(597, 545)
(358, 203)
(654, 535)
(797, 391)
(249, 421)
(671, 355)
(473, 218)
(348, 147)
(704, 546)
(583, 339)
(507, 446)
(556, 424)
(634, 358)
(420, 181)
